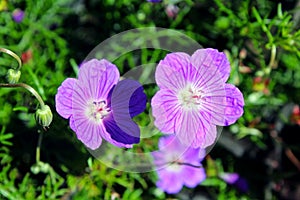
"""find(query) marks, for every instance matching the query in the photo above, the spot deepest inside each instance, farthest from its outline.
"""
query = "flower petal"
(86, 130)
(187, 126)
(127, 100)
(193, 130)
(165, 108)
(88, 133)
(191, 155)
(230, 178)
(210, 136)
(170, 72)
(98, 77)
(63, 98)
(129, 133)
(72, 124)
(234, 104)
(192, 176)
(127, 97)
(211, 58)
(169, 181)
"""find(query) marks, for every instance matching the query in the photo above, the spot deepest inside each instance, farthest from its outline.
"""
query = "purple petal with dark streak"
(132, 134)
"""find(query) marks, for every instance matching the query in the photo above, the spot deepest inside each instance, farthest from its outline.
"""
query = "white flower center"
(174, 167)
(97, 110)
(190, 97)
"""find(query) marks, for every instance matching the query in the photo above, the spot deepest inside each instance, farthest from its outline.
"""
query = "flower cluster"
(193, 99)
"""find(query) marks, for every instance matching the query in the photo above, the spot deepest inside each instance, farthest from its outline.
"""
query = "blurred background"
(261, 38)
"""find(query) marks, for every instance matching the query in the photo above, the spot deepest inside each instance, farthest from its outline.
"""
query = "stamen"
(97, 111)
(190, 97)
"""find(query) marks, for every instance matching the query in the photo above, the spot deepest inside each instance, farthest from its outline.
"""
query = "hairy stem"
(27, 87)
(15, 56)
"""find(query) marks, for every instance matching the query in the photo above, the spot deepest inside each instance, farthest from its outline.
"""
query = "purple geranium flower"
(178, 165)
(18, 15)
(193, 96)
(236, 180)
(99, 106)
(229, 178)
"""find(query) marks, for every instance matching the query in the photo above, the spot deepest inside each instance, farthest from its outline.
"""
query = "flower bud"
(44, 116)
(13, 75)
(40, 167)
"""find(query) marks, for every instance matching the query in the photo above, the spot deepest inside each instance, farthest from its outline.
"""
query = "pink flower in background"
(229, 178)
(18, 15)
(295, 117)
(100, 107)
(194, 98)
(236, 180)
(178, 165)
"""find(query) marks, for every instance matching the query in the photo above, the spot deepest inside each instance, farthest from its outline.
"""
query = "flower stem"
(272, 60)
(38, 148)
(27, 87)
(15, 56)
(273, 55)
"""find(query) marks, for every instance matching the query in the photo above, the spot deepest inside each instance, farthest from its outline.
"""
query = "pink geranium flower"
(100, 107)
(178, 165)
(193, 96)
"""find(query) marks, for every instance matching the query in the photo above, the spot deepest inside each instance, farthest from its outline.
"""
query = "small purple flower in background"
(235, 180)
(154, 1)
(194, 98)
(99, 106)
(18, 15)
(177, 165)
(229, 177)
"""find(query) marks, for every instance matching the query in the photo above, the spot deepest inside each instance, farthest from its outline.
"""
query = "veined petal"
(98, 77)
(63, 98)
(129, 133)
(88, 133)
(210, 136)
(165, 109)
(86, 130)
(170, 72)
(194, 130)
(234, 104)
(211, 58)
(187, 126)
(72, 124)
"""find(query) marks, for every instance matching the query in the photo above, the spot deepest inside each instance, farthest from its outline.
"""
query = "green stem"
(15, 56)
(273, 55)
(272, 60)
(27, 87)
(38, 148)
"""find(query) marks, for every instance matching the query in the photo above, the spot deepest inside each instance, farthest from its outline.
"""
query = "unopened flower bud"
(13, 75)
(44, 116)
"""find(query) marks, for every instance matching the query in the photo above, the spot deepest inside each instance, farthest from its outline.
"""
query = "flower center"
(190, 97)
(97, 110)
(175, 166)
